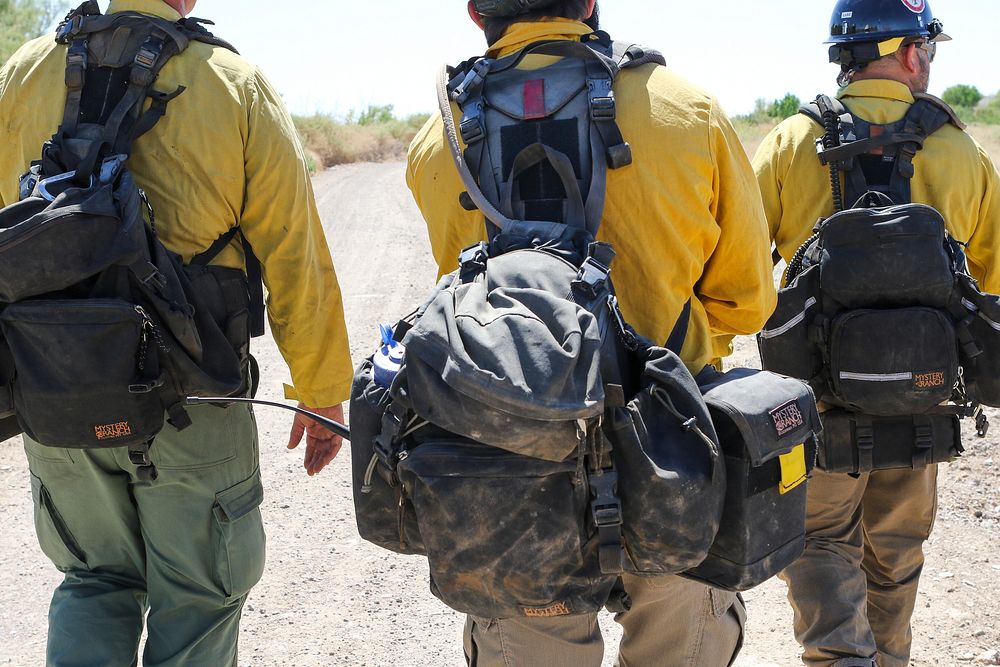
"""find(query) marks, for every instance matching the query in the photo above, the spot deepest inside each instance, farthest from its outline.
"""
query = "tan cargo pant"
(673, 622)
(854, 588)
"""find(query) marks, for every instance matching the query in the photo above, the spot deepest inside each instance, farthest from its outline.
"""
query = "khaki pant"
(854, 588)
(673, 622)
(186, 548)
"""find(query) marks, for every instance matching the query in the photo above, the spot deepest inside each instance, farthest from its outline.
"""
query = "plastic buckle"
(471, 130)
(474, 254)
(606, 506)
(603, 108)
(140, 456)
(592, 276)
(68, 29)
(146, 57)
(472, 81)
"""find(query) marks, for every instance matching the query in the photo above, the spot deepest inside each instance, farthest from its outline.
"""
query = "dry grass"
(329, 141)
(989, 137)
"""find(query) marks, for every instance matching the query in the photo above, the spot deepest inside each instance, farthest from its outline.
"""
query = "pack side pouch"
(766, 425)
(506, 535)
(886, 257)
(49, 246)
(785, 343)
(899, 361)
(384, 516)
(857, 443)
(981, 358)
(87, 372)
(671, 480)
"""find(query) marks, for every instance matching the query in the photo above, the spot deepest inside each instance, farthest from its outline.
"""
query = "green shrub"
(962, 96)
(373, 135)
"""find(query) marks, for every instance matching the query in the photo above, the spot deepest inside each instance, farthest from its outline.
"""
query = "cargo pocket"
(54, 537)
(240, 532)
(87, 371)
(785, 343)
(900, 361)
(504, 533)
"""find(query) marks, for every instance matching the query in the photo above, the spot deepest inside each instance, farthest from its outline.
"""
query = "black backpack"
(104, 330)
(532, 445)
(883, 275)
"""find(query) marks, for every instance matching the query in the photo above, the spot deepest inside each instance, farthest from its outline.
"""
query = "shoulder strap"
(629, 55)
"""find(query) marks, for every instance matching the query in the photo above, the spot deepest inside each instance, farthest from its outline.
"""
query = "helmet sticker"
(846, 15)
(915, 6)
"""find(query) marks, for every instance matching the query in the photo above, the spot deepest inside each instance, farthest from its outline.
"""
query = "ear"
(909, 58)
(476, 17)
(590, 9)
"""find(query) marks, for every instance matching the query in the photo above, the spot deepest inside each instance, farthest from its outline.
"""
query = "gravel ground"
(329, 598)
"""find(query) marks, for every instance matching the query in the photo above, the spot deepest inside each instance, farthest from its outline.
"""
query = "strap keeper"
(619, 156)
(606, 511)
(864, 438)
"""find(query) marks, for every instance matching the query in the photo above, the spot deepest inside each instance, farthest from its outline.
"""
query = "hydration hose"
(327, 423)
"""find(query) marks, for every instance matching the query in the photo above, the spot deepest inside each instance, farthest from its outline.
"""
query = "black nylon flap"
(772, 412)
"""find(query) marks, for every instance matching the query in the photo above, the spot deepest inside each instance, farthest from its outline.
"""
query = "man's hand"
(321, 445)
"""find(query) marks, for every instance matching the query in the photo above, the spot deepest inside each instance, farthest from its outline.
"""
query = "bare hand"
(322, 446)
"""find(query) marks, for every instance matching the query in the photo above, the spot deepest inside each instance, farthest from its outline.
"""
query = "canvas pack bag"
(105, 330)
(882, 275)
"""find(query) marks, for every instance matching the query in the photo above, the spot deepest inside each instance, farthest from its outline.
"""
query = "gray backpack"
(489, 453)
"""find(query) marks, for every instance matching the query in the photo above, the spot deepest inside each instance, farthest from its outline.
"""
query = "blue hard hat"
(864, 30)
(509, 8)
(878, 20)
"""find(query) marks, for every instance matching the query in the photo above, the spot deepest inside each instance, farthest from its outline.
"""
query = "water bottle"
(388, 358)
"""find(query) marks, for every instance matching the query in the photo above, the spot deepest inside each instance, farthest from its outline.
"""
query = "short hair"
(495, 27)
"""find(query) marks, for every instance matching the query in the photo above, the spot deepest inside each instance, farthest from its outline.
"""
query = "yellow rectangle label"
(793, 469)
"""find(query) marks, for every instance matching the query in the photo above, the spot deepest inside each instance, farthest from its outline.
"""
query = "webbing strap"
(255, 277)
(76, 77)
(529, 157)
(679, 333)
(864, 441)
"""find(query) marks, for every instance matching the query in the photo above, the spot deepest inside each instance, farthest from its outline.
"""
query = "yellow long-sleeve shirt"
(685, 217)
(225, 154)
(952, 173)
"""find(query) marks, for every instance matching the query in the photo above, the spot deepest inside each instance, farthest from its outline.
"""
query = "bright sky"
(334, 55)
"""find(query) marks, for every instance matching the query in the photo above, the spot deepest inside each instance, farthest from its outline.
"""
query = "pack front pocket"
(900, 361)
(981, 359)
(506, 535)
(86, 372)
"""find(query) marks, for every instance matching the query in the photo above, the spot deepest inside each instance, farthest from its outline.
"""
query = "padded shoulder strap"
(943, 106)
(629, 55)
(196, 30)
(815, 109)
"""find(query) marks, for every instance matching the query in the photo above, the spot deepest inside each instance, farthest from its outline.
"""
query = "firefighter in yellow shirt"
(685, 221)
(187, 547)
(854, 589)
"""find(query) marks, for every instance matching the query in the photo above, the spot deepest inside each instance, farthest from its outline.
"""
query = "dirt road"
(328, 598)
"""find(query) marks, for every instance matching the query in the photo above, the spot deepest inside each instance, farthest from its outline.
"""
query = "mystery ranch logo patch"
(112, 431)
(915, 6)
(553, 610)
(787, 418)
(928, 380)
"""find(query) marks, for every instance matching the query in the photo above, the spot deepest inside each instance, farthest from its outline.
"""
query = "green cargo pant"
(854, 588)
(187, 548)
(673, 622)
